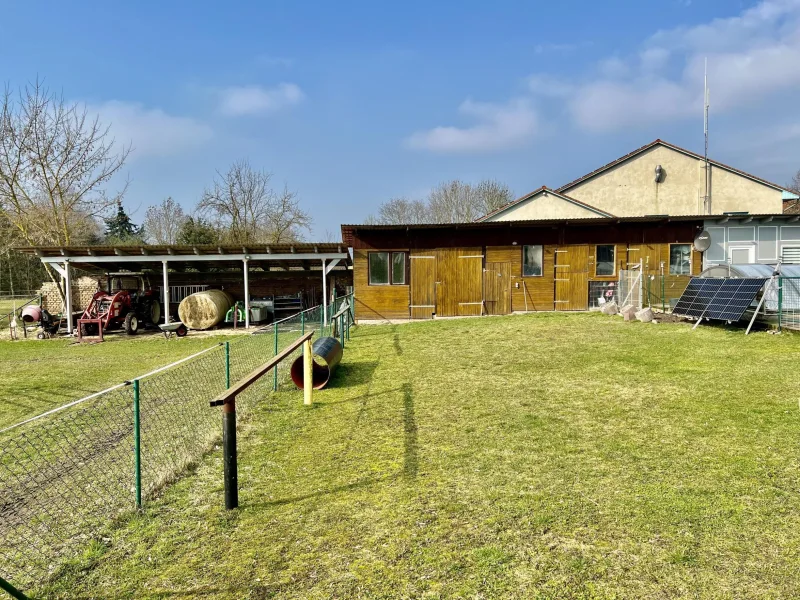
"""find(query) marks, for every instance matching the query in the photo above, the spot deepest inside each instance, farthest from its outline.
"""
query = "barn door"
(459, 282)
(572, 278)
(497, 288)
(423, 284)
(470, 281)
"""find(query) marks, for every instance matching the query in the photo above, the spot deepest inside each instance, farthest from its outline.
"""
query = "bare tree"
(55, 160)
(493, 194)
(285, 219)
(163, 222)
(459, 202)
(402, 210)
(243, 205)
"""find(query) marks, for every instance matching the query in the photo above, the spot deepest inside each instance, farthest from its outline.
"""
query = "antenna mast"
(707, 197)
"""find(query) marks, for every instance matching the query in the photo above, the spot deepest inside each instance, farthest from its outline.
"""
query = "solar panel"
(696, 297)
(720, 299)
(733, 298)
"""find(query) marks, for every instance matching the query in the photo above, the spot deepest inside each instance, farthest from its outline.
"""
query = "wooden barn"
(447, 270)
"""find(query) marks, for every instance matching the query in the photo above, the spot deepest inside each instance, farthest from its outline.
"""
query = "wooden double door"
(450, 282)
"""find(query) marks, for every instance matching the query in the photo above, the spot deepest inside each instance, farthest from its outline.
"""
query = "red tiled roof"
(533, 193)
(673, 147)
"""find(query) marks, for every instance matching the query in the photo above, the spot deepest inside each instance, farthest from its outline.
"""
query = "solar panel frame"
(722, 299)
(696, 297)
(734, 297)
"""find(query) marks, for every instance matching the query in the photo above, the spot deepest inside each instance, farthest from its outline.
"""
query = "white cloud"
(549, 86)
(255, 100)
(151, 131)
(750, 57)
(499, 127)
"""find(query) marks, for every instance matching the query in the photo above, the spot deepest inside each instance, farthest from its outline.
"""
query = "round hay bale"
(204, 309)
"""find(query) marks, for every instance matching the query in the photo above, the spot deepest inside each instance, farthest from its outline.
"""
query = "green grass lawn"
(536, 456)
(36, 376)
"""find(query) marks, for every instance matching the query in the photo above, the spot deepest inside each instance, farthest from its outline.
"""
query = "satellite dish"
(703, 241)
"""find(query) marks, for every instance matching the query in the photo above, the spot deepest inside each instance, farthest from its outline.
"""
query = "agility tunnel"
(326, 353)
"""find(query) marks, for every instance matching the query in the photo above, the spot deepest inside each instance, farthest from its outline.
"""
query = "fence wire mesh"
(787, 304)
(66, 476)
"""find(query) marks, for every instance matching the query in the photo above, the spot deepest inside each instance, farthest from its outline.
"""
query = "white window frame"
(787, 228)
(741, 227)
(777, 243)
(721, 259)
(742, 246)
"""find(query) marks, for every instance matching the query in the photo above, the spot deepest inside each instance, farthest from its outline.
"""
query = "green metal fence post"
(227, 365)
(302, 323)
(321, 321)
(275, 370)
(13, 592)
(341, 329)
(137, 443)
(780, 303)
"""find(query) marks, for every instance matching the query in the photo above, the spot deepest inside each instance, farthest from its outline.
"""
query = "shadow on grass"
(361, 398)
(355, 485)
(410, 462)
(351, 374)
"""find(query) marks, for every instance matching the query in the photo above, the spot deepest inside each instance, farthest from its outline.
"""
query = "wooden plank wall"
(377, 301)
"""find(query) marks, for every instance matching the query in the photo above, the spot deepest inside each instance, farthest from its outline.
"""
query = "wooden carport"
(321, 258)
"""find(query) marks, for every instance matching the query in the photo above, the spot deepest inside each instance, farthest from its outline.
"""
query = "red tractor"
(130, 305)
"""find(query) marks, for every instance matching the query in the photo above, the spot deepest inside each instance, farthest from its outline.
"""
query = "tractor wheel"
(155, 313)
(131, 324)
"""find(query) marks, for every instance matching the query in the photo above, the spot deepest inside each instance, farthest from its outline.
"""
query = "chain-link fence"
(65, 476)
(787, 303)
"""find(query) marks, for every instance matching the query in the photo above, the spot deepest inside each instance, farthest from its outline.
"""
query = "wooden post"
(308, 374)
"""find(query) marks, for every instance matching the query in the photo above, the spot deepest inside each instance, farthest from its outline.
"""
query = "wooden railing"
(228, 402)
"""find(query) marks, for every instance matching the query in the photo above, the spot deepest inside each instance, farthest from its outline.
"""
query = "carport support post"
(229, 454)
(246, 293)
(308, 374)
(68, 294)
(166, 292)
(324, 295)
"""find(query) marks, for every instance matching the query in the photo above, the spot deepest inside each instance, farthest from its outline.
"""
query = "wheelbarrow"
(177, 328)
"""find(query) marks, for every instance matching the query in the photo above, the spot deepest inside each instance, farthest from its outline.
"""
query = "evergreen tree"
(197, 232)
(121, 230)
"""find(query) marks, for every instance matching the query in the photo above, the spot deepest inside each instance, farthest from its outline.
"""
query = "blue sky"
(352, 103)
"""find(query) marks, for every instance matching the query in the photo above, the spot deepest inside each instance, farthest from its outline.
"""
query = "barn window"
(387, 268)
(531, 261)
(398, 268)
(604, 260)
(680, 259)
